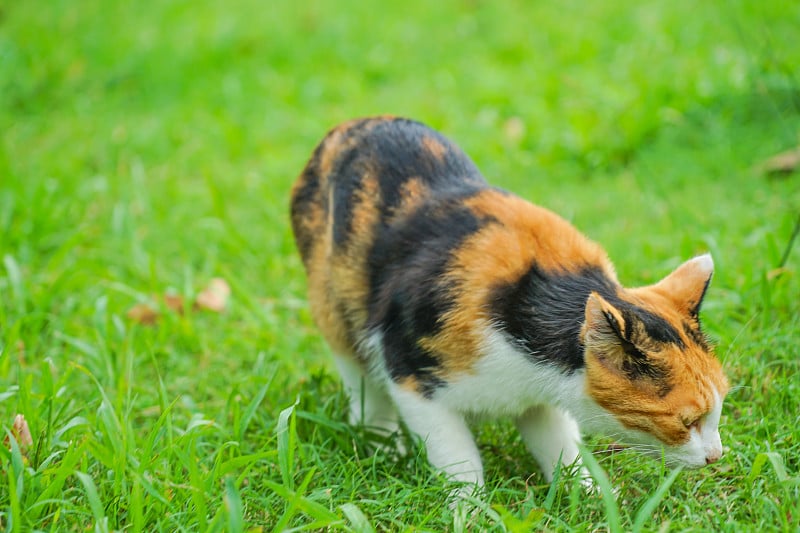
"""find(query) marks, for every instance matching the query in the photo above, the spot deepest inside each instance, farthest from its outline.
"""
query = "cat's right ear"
(603, 327)
(687, 285)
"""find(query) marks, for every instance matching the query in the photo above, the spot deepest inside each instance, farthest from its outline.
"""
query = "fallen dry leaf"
(514, 129)
(174, 302)
(21, 352)
(782, 163)
(215, 296)
(615, 447)
(143, 314)
(22, 434)
(152, 411)
(146, 313)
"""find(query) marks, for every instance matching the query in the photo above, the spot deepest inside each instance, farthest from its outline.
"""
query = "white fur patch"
(505, 382)
(705, 262)
(448, 441)
(369, 402)
(550, 435)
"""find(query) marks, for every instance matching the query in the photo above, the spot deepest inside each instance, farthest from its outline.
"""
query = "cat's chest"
(505, 382)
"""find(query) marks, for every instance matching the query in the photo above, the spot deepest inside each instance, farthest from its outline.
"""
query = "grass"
(149, 147)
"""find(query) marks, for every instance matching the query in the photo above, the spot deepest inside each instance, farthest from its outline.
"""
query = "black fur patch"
(392, 152)
(631, 351)
(638, 368)
(403, 355)
(400, 153)
(544, 312)
(657, 328)
(349, 171)
(408, 286)
(694, 311)
(696, 335)
(304, 197)
(636, 365)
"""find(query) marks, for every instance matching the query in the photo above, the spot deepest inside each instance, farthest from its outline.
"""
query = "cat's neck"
(505, 382)
(542, 312)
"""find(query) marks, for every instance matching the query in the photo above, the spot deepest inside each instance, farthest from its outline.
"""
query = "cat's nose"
(713, 457)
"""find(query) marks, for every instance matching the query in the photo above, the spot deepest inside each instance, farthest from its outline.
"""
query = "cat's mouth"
(672, 459)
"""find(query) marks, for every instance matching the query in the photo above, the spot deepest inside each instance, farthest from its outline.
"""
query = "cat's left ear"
(687, 284)
(603, 327)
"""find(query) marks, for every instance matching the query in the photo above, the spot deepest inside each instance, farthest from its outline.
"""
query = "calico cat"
(444, 298)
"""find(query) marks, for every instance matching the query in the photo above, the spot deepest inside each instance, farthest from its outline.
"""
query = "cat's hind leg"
(370, 404)
(549, 434)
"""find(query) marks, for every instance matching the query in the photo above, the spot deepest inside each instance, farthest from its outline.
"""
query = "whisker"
(592, 418)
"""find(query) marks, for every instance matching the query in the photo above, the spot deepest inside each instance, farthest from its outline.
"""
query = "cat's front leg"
(450, 445)
(549, 434)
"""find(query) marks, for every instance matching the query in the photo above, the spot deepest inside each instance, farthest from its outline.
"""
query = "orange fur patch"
(328, 320)
(412, 194)
(434, 147)
(331, 283)
(341, 138)
(525, 234)
(409, 383)
(532, 233)
(349, 278)
(312, 221)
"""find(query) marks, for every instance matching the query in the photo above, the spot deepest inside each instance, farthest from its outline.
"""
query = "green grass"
(149, 146)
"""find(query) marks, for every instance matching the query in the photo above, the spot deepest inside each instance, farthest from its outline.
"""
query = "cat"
(443, 298)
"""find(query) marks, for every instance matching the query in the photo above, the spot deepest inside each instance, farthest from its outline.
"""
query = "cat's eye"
(692, 422)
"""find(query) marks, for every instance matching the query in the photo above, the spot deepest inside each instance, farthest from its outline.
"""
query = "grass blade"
(245, 462)
(296, 501)
(65, 469)
(647, 508)
(358, 520)
(250, 411)
(15, 482)
(136, 506)
(286, 433)
(101, 521)
(553, 490)
(14, 275)
(761, 459)
(233, 506)
(606, 491)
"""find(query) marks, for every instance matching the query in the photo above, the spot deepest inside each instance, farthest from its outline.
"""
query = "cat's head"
(649, 365)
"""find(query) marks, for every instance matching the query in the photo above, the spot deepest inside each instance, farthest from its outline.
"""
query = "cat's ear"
(609, 350)
(687, 284)
(604, 327)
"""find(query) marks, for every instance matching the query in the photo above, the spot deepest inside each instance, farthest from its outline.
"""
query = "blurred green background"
(147, 147)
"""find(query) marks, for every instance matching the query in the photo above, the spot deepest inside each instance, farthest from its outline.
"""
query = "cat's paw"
(588, 483)
(389, 442)
(590, 486)
(467, 498)
(393, 449)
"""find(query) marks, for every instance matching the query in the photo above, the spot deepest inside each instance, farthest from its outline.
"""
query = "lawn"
(149, 147)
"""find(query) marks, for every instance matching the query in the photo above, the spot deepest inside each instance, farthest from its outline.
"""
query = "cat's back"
(369, 184)
(373, 170)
